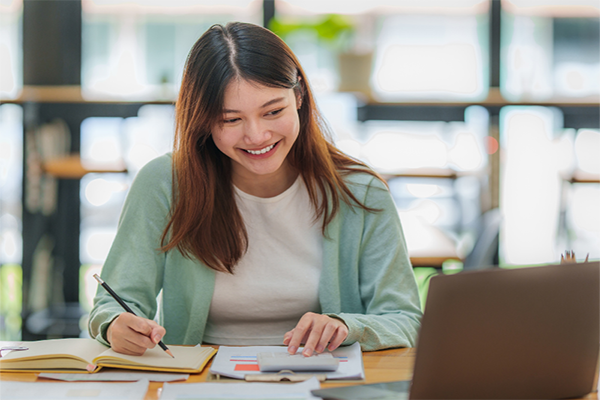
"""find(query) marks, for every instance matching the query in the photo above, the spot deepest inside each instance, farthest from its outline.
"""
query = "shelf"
(495, 98)
(70, 167)
(59, 94)
(580, 176)
(443, 173)
(73, 94)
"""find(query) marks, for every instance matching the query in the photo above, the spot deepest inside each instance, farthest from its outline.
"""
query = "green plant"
(335, 30)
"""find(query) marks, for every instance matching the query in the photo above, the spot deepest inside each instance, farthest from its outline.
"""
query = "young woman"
(255, 229)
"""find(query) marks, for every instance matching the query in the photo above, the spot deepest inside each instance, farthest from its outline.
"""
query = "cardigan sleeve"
(391, 312)
(134, 266)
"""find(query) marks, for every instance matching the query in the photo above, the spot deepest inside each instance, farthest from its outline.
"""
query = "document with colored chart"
(237, 362)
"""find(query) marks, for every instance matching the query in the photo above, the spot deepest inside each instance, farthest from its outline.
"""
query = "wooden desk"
(380, 366)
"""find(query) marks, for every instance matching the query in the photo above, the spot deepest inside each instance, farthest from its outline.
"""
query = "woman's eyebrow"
(267, 104)
(270, 102)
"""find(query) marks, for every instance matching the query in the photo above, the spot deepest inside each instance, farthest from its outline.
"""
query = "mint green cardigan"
(366, 279)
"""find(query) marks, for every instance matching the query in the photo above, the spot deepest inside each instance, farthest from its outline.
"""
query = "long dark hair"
(204, 221)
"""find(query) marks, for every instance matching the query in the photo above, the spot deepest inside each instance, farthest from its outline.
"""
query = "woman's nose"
(256, 133)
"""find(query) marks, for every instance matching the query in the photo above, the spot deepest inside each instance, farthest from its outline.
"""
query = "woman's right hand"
(133, 335)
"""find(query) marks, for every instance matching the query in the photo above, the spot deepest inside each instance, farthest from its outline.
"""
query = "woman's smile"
(266, 151)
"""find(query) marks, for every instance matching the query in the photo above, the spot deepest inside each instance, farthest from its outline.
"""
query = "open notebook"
(75, 355)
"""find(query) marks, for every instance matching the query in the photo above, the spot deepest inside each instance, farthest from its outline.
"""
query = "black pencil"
(126, 307)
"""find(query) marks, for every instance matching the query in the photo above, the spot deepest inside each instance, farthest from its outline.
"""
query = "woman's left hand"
(317, 332)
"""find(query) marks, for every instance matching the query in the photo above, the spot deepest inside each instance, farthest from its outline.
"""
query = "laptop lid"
(520, 333)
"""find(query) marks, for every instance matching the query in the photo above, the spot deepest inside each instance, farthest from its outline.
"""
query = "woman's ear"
(298, 92)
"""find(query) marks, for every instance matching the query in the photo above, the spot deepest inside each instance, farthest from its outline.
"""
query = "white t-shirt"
(277, 280)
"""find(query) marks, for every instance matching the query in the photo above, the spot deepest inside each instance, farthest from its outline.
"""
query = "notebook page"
(186, 357)
(85, 349)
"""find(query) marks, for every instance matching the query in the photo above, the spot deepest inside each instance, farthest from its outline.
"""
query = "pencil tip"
(169, 353)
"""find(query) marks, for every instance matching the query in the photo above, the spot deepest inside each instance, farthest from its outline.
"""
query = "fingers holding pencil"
(133, 335)
(133, 338)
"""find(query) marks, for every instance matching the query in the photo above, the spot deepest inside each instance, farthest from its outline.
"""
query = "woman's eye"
(275, 112)
(231, 120)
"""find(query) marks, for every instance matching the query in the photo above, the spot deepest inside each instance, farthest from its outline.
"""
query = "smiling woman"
(259, 128)
(256, 229)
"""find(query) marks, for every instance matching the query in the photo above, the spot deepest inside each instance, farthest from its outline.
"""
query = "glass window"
(11, 237)
(137, 49)
(582, 195)
(390, 50)
(132, 141)
(11, 53)
(550, 51)
(530, 187)
(436, 171)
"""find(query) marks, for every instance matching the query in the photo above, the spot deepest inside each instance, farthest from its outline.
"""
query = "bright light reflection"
(124, 76)
(428, 56)
(427, 211)
(99, 191)
(577, 79)
(466, 153)
(360, 7)
(10, 5)
(584, 209)
(105, 151)
(9, 221)
(140, 154)
(148, 135)
(165, 7)
(172, 3)
(6, 150)
(350, 147)
(530, 187)
(559, 8)
(96, 244)
(533, 3)
(449, 68)
(528, 60)
(90, 285)
(587, 150)
(8, 84)
(10, 241)
(391, 151)
(10, 48)
(422, 190)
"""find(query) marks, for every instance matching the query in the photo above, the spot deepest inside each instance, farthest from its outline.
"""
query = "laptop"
(502, 333)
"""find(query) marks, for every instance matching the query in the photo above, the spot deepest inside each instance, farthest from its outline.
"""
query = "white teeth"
(263, 151)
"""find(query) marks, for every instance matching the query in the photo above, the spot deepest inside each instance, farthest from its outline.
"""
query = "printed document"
(237, 362)
(116, 376)
(247, 391)
(73, 391)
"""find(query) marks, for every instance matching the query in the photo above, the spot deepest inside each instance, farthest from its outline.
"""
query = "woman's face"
(259, 126)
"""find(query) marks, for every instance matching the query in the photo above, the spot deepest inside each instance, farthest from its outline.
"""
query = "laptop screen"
(522, 333)
(512, 334)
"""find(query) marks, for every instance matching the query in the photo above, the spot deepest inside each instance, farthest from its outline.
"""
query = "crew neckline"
(288, 192)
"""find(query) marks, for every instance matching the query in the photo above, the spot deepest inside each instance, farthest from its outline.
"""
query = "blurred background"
(482, 115)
